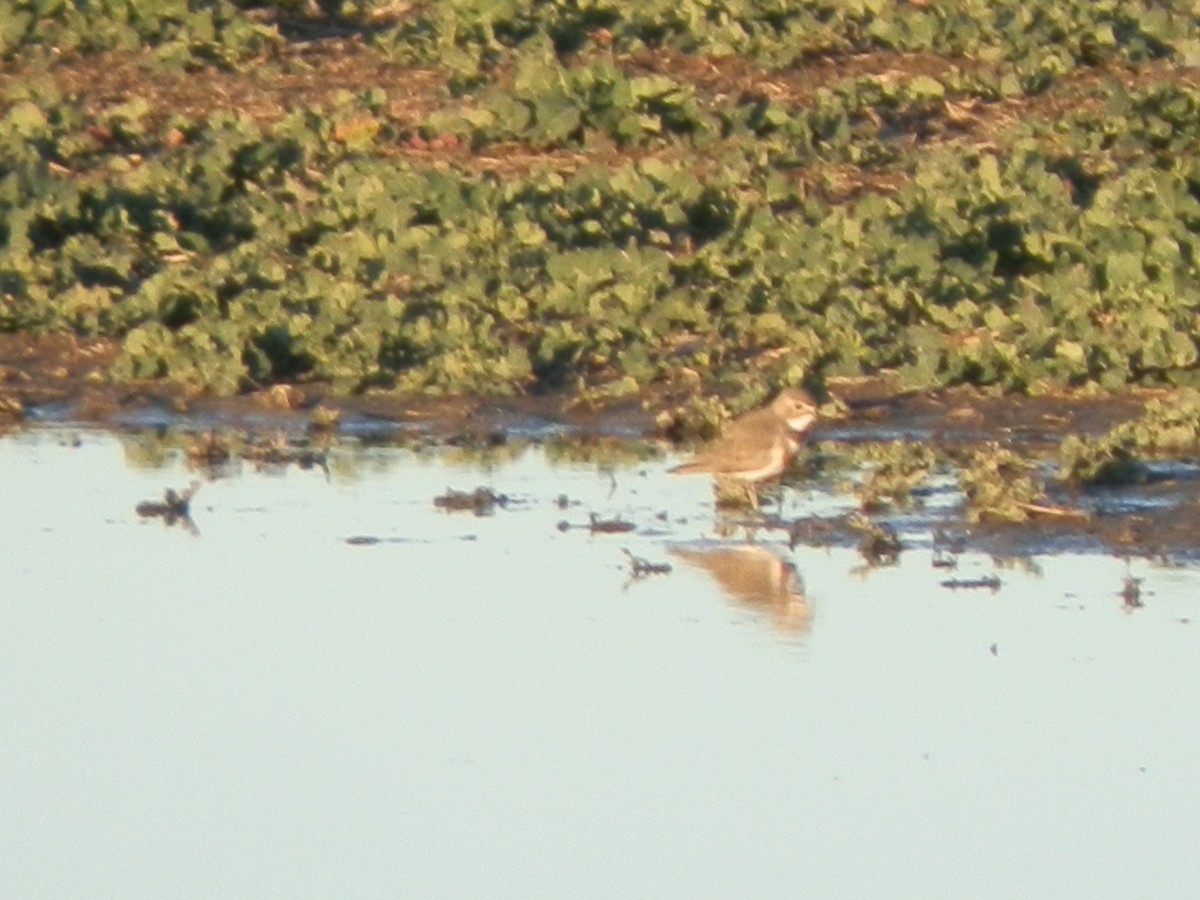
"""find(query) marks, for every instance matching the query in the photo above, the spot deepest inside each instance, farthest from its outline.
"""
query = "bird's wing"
(745, 446)
(736, 460)
(758, 423)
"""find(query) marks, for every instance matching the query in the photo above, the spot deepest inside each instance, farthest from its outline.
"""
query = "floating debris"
(1131, 593)
(174, 507)
(880, 545)
(371, 540)
(943, 559)
(596, 525)
(994, 650)
(482, 501)
(618, 525)
(990, 582)
(640, 568)
(1056, 512)
(946, 547)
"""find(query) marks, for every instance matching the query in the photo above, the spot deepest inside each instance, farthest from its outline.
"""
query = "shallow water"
(332, 688)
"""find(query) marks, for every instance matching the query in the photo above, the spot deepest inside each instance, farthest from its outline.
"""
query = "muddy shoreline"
(61, 380)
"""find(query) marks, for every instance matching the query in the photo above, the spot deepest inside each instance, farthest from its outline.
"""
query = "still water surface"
(492, 707)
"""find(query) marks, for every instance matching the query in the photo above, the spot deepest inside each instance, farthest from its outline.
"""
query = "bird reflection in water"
(757, 579)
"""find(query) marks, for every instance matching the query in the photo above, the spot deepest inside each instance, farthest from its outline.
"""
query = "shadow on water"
(402, 652)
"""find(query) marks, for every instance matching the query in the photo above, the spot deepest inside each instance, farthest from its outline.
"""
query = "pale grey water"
(487, 707)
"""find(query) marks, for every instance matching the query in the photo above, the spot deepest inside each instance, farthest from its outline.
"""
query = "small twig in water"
(640, 568)
(1057, 512)
(609, 526)
(991, 582)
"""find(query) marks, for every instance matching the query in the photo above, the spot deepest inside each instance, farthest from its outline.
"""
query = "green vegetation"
(892, 471)
(879, 545)
(591, 197)
(182, 32)
(774, 33)
(700, 418)
(998, 485)
(1167, 429)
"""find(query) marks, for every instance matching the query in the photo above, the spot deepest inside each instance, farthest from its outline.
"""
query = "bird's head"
(796, 407)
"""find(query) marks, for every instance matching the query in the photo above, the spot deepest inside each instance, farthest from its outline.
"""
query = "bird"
(757, 445)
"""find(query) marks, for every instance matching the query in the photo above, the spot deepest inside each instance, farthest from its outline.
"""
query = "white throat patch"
(800, 423)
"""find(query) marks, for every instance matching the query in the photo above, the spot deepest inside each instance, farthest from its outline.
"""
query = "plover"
(757, 445)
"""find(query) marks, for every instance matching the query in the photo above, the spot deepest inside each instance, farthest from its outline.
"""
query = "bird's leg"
(779, 499)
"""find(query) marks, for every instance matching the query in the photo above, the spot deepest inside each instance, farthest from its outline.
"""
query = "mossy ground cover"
(491, 196)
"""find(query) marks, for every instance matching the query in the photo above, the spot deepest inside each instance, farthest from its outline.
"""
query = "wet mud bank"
(59, 382)
(63, 379)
